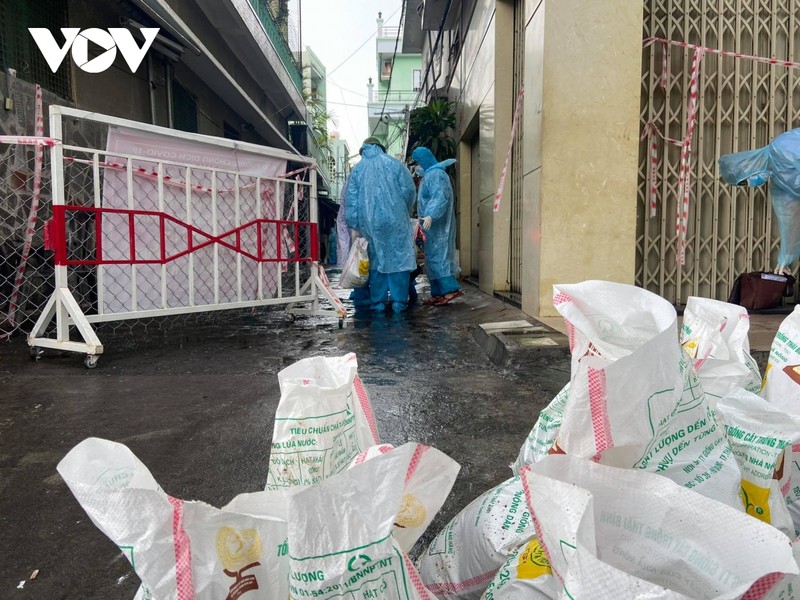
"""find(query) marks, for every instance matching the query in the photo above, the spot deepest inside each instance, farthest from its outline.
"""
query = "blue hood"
(427, 160)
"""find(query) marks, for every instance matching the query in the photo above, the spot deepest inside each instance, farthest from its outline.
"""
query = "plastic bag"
(355, 273)
(614, 533)
(525, 576)
(714, 334)
(759, 434)
(323, 421)
(464, 557)
(779, 163)
(544, 433)
(177, 545)
(634, 399)
(340, 531)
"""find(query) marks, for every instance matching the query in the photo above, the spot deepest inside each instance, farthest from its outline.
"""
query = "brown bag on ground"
(760, 290)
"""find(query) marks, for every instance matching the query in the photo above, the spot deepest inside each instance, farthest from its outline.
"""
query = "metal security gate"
(162, 229)
(515, 239)
(742, 104)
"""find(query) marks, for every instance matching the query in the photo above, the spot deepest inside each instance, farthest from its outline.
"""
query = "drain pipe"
(151, 89)
(168, 75)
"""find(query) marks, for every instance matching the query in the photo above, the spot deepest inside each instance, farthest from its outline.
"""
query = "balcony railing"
(395, 96)
(279, 42)
(389, 32)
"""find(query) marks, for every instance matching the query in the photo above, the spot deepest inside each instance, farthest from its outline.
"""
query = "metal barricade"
(163, 222)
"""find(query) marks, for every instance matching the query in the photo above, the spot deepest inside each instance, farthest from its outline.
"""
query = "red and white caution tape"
(37, 140)
(13, 302)
(650, 133)
(684, 180)
(684, 186)
(664, 66)
(517, 113)
(762, 59)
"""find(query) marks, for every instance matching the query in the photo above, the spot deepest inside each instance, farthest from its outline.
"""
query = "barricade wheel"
(341, 323)
(36, 353)
(90, 362)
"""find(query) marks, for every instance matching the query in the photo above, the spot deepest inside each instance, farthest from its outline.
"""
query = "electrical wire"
(424, 79)
(402, 5)
(391, 73)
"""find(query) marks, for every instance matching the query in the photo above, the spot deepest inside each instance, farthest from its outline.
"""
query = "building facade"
(568, 209)
(398, 87)
(596, 187)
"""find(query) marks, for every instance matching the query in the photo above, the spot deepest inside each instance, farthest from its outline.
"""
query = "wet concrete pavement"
(196, 403)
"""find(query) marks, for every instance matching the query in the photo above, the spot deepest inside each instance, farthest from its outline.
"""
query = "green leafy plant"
(431, 126)
(319, 118)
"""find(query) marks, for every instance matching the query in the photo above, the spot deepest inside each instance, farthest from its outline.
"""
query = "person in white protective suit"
(435, 208)
(380, 196)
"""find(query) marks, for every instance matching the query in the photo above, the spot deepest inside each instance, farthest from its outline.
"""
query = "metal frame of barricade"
(250, 245)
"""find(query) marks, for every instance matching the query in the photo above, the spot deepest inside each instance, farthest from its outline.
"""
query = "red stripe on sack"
(416, 580)
(762, 586)
(363, 400)
(561, 298)
(183, 552)
(599, 409)
(536, 525)
(412, 466)
(446, 587)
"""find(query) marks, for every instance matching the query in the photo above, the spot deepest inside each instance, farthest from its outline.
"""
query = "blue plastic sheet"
(380, 195)
(436, 201)
(778, 163)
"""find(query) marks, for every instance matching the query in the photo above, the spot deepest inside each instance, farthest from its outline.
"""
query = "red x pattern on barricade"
(289, 232)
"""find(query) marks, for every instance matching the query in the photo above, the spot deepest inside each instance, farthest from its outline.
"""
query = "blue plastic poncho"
(779, 163)
(436, 201)
(380, 195)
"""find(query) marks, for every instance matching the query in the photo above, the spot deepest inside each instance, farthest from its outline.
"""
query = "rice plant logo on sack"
(111, 40)
(412, 512)
(239, 550)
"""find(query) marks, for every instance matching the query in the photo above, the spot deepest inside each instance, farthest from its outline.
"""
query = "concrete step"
(523, 343)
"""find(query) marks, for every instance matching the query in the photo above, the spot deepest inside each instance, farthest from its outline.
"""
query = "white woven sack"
(422, 497)
(782, 375)
(323, 421)
(714, 334)
(464, 557)
(634, 399)
(525, 576)
(340, 533)
(180, 549)
(778, 586)
(760, 435)
(544, 433)
(614, 533)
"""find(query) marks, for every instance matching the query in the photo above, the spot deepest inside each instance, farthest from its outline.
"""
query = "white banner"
(199, 207)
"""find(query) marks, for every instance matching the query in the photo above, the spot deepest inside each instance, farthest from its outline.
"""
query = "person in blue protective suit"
(380, 195)
(435, 208)
(778, 163)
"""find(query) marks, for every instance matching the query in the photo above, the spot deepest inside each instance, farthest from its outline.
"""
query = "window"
(184, 109)
(19, 51)
(230, 132)
(417, 79)
(386, 72)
